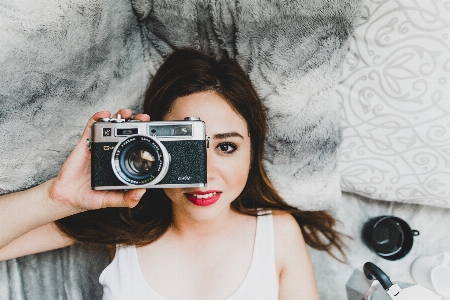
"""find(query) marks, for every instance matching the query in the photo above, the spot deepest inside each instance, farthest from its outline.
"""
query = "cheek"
(173, 194)
(237, 171)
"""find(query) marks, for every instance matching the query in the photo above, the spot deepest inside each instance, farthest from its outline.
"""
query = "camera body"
(157, 154)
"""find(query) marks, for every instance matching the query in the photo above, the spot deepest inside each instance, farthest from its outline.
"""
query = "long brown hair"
(183, 73)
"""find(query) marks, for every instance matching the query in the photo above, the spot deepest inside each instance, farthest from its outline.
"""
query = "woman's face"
(228, 157)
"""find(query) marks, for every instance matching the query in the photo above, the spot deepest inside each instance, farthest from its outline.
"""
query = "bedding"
(395, 100)
(336, 280)
(63, 274)
(60, 63)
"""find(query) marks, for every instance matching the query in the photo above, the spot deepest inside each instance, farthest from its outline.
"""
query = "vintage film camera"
(156, 154)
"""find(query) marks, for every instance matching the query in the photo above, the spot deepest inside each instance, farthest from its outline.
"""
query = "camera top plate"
(113, 120)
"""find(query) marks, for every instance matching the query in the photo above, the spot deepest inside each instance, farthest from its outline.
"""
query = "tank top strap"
(264, 240)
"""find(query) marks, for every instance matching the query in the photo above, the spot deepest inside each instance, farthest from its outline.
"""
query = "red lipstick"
(203, 198)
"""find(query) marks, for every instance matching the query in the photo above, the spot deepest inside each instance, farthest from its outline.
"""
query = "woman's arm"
(23, 211)
(28, 215)
(296, 273)
(41, 239)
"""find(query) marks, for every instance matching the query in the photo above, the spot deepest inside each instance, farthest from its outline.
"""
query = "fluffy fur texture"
(60, 63)
(70, 273)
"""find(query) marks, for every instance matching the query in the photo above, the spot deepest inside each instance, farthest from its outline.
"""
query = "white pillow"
(396, 104)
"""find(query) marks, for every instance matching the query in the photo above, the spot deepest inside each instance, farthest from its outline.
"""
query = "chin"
(205, 213)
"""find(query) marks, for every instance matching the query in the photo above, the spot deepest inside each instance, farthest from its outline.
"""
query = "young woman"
(234, 239)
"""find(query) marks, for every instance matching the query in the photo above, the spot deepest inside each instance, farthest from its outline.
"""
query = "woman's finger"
(142, 117)
(95, 118)
(123, 199)
(125, 113)
(132, 198)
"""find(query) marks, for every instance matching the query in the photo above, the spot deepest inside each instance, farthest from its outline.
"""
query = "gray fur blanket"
(61, 61)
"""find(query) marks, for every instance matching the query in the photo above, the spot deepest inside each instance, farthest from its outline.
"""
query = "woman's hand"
(72, 187)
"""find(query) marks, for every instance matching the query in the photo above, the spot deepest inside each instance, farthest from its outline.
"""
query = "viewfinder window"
(170, 130)
(126, 131)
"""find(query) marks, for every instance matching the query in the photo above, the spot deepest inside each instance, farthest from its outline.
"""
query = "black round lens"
(140, 160)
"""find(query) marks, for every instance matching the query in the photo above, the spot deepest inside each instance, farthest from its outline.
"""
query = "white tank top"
(123, 279)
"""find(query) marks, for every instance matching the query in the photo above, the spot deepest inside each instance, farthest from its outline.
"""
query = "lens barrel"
(140, 160)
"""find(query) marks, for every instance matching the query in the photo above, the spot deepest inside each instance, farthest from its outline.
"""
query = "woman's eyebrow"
(227, 135)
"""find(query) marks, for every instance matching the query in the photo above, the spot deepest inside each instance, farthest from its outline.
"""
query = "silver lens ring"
(140, 161)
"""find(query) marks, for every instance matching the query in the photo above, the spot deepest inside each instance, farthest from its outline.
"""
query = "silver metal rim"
(162, 172)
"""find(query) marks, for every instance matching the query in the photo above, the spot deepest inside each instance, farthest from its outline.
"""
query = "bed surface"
(433, 223)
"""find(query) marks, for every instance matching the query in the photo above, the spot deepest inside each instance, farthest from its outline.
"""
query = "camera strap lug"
(89, 143)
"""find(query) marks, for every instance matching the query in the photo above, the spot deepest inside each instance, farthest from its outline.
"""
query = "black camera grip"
(372, 272)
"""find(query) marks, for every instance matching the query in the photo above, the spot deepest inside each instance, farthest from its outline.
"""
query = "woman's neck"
(187, 226)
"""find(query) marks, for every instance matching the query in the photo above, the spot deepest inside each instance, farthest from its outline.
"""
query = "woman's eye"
(226, 148)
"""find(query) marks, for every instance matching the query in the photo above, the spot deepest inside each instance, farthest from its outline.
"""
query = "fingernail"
(137, 195)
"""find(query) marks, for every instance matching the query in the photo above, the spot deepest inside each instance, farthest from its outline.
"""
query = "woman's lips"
(203, 198)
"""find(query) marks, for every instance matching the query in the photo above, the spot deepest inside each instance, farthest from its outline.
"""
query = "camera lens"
(140, 160)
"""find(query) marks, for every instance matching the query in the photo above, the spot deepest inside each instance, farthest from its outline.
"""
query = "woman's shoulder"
(285, 225)
(288, 236)
(283, 222)
(294, 265)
